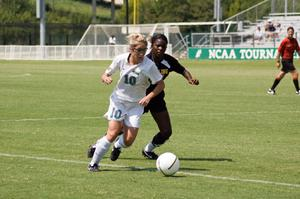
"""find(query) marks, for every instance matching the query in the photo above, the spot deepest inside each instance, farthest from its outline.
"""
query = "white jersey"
(134, 79)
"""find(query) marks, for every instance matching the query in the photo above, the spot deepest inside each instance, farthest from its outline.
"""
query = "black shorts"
(157, 104)
(287, 66)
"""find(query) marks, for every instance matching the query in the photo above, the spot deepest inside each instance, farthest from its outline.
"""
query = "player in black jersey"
(157, 106)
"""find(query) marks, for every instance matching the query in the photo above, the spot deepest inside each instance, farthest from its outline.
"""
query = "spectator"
(269, 29)
(258, 34)
(278, 30)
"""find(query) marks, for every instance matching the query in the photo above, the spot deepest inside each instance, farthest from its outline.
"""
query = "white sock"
(149, 147)
(102, 147)
(120, 142)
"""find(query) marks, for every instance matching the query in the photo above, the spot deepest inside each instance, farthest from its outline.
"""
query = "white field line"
(172, 114)
(20, 75)
(49, 119)
(141, 168)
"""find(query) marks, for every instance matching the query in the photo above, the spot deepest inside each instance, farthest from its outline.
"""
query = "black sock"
(276, 82)
(160, 138)
(296, 83)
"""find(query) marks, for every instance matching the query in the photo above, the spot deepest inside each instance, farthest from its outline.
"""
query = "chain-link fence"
(29, 34)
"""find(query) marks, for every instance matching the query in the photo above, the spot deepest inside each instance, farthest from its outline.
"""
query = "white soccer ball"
(167, 163)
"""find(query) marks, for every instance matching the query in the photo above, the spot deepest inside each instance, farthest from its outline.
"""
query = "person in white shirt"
(129, 98)
(258, 34)
(112, 40)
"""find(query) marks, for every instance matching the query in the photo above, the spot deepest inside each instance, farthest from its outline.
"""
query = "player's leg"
(278, 78)
(92, 148)
(163, 122)
(130, 129)
(116, 112)
(125, 140)
(295, 75)
(104, 143)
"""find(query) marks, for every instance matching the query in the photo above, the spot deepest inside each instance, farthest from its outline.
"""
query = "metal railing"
(232, 40)
(84, 52)
(243, 16)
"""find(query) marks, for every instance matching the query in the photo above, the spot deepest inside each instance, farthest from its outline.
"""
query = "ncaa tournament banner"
(233, 53)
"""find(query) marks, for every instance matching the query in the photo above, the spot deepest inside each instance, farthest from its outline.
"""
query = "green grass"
(232, 139)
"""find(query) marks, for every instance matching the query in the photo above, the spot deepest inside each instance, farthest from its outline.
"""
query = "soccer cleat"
(271, 91)
(91, 151)
(150, 155)
(93, 168)
(298, 92)
(115, 153)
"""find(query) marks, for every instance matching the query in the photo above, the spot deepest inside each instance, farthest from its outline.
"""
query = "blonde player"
(129, 97)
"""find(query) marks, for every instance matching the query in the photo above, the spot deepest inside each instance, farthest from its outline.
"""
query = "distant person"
(112, 40)
(278, 30)
(286, 52)
(270, 26)
(270, 29)
(129, 97)
(258, 34)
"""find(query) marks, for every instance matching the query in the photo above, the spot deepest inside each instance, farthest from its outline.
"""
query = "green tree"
(15, 11)
(155, 11)
(232, 7)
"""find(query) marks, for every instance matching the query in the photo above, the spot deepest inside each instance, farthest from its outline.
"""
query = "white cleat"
(271, 92)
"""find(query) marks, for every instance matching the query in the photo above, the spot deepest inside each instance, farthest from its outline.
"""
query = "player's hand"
(277, 64)
(194, 82)
(144, 101)
(106, 79)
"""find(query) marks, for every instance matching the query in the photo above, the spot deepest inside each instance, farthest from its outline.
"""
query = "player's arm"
(277, 59)
(298, 51)
(188, 76)
(279, 52)
(106, 77)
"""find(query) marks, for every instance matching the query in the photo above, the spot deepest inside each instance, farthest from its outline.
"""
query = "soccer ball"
(167, 163)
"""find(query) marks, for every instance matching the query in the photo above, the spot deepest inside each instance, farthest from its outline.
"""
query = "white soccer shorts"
(128, 112)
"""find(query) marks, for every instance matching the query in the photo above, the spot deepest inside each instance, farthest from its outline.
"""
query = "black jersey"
(167, 65)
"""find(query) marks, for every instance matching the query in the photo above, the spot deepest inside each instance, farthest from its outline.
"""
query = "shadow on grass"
(130, 168)
(206, 159)
(185, 159)
(151, 169)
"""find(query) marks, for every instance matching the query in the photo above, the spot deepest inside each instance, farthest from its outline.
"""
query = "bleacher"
(281, 23)
(241, 33)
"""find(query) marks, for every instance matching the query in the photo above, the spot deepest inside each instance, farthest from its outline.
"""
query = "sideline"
(142, 168)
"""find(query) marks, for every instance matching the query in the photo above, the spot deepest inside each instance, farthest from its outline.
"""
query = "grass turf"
(233, 140)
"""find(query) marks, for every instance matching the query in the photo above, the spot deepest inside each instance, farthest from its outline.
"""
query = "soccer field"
(233, 140)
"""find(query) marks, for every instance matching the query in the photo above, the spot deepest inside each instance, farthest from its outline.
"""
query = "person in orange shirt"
(286, 51)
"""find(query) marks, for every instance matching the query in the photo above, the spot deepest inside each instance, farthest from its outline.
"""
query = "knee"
(295, 76)
(128, 142)
(166, 133)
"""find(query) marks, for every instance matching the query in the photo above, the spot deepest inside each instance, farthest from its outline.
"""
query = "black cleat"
(150, 155)
(115, 153)
(91, 151)
(93, 168)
